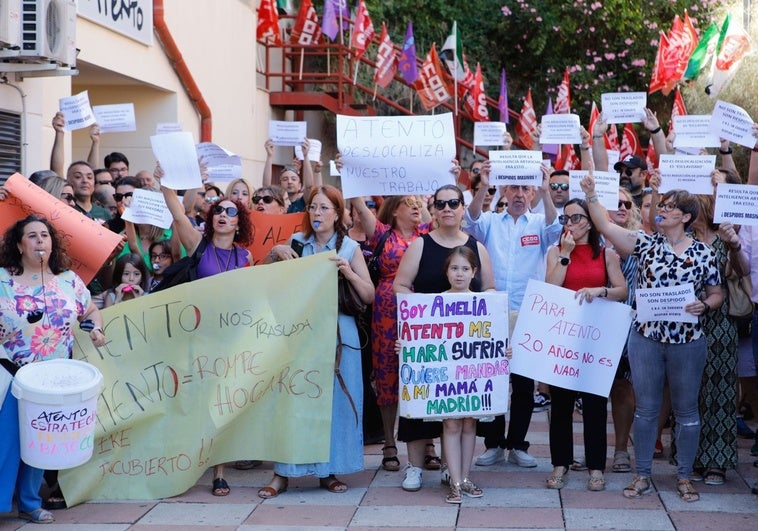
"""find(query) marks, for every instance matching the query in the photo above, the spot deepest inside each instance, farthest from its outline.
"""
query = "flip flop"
(220, 487)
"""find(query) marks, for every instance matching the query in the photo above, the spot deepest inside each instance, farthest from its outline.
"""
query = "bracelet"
(605, 293)
(592, 198)
(727, 151)
(584, 148)
(97, 329)
(597, 137)
(654, 131)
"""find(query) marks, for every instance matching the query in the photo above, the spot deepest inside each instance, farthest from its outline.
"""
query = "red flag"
(657, 80)
(363, 30)
(527, 122)
(563, 100)
(630, 144)
(677, 109)
(478, 97)
(567, 159)
(386, 60)
(682, 41)
(612, 138)
(651, 157)
(306, 30)
(268, 23)
(430, 84)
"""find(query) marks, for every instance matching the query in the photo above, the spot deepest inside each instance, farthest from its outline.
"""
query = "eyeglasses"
(500, 204)
(491, 190)
(230, 211)
(667, 207)
(371, 204)
(626, 204)
(629, 171)
(439, 204)
(67, 197)
(160, 256)
(563, 219)
(214, 199)
(476, 171)
(102, 183)
(412, 202)
(118, 197)
(268, 199)
(319, 208)
(556, 186)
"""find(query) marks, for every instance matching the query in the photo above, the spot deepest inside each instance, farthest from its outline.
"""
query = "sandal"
(38, 516)
(686, 491)
(714, 476)
(596, 482)
(470, 489)
(556, 479)
(621, 462)
(269, 491)
(55, 501)
(332, 484)
(454, 494)
(639, 487)
(220, 487)
(390, 463)
(431, 461)
(247, 464)
(578, 465)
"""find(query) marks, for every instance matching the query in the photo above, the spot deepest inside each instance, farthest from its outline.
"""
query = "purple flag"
(329, 23)
(550, 149)
(407, 62)
(502, 101)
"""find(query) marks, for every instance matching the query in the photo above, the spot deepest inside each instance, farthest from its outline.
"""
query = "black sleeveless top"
(431, 277)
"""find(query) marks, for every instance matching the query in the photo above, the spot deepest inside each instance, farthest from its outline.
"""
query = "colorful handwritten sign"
(87, 242)
(203, 373)
(560, 342)
(273, 229)
(452, 354)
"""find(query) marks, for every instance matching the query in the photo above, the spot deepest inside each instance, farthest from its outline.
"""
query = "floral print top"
(28, 336)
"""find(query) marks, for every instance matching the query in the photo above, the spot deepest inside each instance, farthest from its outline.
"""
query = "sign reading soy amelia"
(453, 354)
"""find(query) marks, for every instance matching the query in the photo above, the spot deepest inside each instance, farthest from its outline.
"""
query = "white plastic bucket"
(57, 412)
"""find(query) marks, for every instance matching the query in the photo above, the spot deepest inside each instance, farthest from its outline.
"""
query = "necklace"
(228, 259)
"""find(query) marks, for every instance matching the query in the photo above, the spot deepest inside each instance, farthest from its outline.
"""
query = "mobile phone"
(297, 246)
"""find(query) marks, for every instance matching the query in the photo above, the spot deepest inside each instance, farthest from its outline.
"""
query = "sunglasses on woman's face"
(439, 204)
(626, 204)
(563, 219)
(67, 197)
(213, 199)
(230, 211)
(265, 198)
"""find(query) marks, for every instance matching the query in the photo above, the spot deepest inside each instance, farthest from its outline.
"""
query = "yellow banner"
(235, 366)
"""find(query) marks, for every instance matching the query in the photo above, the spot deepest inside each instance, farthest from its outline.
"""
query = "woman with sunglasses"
(661, 349)
(421, 271)
(326, 232)
(227, 233)
(579, 262)
(269, 199)
(41, 300)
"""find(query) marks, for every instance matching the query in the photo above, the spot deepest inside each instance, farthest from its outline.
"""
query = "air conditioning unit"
(10, 24)
(48, 31)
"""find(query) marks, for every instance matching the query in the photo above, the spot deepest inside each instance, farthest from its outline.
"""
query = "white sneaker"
(521, 458)
(412, 481)
(490, 457)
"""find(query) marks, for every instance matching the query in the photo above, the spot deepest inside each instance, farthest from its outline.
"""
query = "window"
(10, 144)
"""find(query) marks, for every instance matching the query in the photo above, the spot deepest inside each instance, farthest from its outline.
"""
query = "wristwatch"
(565, 260)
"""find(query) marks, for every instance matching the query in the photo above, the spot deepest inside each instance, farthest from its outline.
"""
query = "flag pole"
(302, 58)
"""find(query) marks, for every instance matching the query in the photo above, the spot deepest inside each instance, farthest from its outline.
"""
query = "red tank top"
(584, 271)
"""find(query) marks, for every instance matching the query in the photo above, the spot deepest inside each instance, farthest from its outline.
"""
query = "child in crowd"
(129, 277)
(160, 258)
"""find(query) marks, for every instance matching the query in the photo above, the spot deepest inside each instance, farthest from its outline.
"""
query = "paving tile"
(508, 518)
(618, 519)
(301, 515)
(396, 496)
(514, 498)
(608, 499)
(721, 503)
(150, 527)
(715, 521)
(103, 513)
(317, 496)
(208, 514)
(418, 516)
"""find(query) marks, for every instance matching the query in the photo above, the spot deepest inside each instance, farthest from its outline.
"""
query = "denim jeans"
(652, 362)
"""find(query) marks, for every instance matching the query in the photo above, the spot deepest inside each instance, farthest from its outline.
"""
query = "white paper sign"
(489, 133)
(222, 164)
(452, 358)
(606, 187)
(687, 172)
(560, 342)
(561, 129)
(614, 156)
(148, 207)
(515, 166)
(665, 304)
(314, 152)
(287, 133)
(116, 118)
(623, 107)
(333, 171)
(732, 123)
(77, 111)
(736, 203)
(395, 155)
(693, 131)
(178, 158)
(168, 127)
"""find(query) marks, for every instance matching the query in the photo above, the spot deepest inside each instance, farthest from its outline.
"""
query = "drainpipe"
(182, 70)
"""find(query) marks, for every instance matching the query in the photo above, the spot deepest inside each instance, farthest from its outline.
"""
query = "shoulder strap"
(380, 245)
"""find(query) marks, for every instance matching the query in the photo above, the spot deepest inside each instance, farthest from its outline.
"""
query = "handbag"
(185, 270)
(373, 262)
(348, 300)
(739, 290)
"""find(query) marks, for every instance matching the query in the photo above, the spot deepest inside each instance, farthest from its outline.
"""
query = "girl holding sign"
(582, 264)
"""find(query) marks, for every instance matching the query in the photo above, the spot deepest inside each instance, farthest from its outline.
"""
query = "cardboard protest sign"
(273, 229)
(452, 358)
(202, 374)
(88, 243)
(395, 155)
(560, 342)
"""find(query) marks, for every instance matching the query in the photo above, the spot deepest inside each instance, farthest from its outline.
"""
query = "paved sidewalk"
(515, 498)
